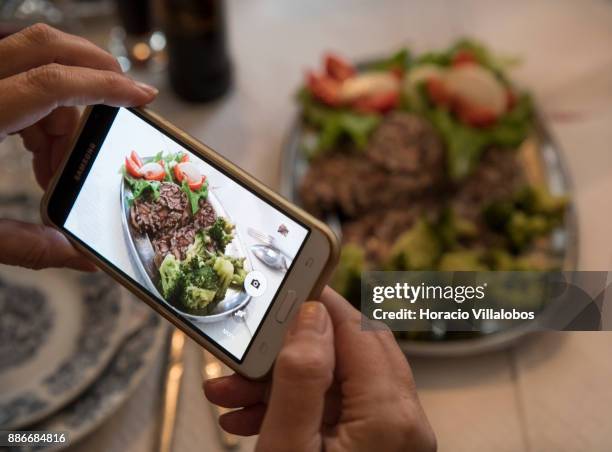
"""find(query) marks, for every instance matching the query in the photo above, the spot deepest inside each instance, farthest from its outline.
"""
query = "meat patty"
(168, 212)
(377, 231)
(177, 241)
(205, 216)
(173, 242)
(498, 175)
(352, 185)
(406, 143)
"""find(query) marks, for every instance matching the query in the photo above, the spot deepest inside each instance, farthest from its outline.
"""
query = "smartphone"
(217, 253)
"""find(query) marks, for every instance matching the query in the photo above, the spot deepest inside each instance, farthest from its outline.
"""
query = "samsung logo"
(85, 162)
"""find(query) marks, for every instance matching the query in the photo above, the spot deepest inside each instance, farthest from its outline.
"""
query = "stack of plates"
(73, 346)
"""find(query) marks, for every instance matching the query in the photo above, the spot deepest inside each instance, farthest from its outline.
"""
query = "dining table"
(550, 391)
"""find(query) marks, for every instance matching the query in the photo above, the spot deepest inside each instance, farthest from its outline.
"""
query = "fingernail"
(148, 88)
(312, 317)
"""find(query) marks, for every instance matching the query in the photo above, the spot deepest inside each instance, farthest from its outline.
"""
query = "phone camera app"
(255, 284)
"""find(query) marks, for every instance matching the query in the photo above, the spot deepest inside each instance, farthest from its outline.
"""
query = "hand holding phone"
(354, 388)
(173, 221)
(44, 73)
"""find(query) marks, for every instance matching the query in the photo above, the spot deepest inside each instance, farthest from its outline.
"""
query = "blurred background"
(98, 365)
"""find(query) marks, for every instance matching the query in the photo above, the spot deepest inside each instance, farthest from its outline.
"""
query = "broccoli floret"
(498, 214)
(347, 277)
(462, 261)
(221, 233)
(530, 213)
(198, 297)
(225, 271)
(537, 200)
(239, 271)
(197, 248)
(522, 229)
(452, 228)
(238, 278)
(501, 260)
(416, 249)
(172, 276)
(199, 272)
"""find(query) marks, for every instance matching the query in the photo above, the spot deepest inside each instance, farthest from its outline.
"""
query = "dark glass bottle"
(198, 63)
(135, 16)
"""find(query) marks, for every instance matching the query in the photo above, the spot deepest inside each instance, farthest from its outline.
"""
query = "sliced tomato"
(464, 57)
(377, 103)
(324, 88)
(194, 186)
(338, 68)
(153, 171)
(136, 158)
(438, 93)
(398, 72)
(510, 99)
(190, 172)
(131, 167)
(475, 115)
(185, 158)
(178, 174)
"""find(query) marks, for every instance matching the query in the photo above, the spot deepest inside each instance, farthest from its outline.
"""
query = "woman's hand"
(334, 388)
(44, 75)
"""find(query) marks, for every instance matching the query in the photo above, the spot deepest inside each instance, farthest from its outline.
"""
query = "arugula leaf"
(195, 196)
(333, 125)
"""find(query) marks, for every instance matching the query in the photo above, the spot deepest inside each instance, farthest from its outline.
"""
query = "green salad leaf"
(399, 60)
(465, 144)
(497, 64)
(334, 125)
(195, 196)
(140, 187)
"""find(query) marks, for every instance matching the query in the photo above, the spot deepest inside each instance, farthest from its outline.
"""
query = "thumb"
(37, 246)
(303, 373)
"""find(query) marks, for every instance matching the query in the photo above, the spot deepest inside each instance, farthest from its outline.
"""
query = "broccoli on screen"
(221, 233)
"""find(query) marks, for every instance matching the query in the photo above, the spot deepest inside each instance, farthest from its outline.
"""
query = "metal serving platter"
(543, 163)
(142, 255)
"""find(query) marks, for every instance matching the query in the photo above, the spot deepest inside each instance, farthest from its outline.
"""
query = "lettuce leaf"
(194, 196)
(465, 144)
(140, 187)
(335, 125)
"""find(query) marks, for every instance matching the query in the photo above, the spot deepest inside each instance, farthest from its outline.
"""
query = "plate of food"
(180, 238)
(433, 161)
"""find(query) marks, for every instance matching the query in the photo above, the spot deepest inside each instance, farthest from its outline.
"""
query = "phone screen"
(199, 241)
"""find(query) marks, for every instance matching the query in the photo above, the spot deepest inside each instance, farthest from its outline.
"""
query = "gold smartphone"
(210, 248)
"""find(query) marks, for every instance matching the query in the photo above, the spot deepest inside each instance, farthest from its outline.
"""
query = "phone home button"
(285, 307)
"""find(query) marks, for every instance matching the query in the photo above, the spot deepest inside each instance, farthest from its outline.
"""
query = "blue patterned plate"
(58, 331)
(136, 355)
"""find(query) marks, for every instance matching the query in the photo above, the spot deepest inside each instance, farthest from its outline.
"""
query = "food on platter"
(420, 159)
(169, 203)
